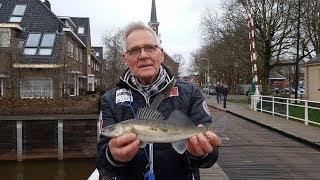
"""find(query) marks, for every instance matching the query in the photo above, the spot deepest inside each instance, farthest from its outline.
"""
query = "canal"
(67, 169)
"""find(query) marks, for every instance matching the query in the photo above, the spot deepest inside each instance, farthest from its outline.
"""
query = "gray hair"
(133, 27)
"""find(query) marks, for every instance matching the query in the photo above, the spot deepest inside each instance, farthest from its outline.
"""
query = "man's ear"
(125, 60)
(162, 55)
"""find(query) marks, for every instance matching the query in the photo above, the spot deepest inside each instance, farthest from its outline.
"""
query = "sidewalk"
(307, 134)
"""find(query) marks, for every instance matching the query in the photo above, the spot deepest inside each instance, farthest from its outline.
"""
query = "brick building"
(44, 55)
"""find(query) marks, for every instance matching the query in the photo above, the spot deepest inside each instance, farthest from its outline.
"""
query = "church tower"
(154, 24)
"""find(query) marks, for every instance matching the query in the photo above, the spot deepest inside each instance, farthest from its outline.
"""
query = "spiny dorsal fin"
(181, 118)
(147, 113)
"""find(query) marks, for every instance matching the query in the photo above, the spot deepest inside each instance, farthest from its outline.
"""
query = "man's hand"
(202, 144)
(124, 148)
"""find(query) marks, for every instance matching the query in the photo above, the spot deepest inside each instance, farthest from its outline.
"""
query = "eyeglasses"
(136, 51)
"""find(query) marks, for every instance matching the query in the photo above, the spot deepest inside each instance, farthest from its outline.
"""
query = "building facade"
(43, 55)
(312, 78)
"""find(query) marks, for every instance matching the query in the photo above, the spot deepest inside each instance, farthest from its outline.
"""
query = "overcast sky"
(179, 19)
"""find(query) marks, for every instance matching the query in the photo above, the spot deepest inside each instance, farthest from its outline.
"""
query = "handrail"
(262, 104)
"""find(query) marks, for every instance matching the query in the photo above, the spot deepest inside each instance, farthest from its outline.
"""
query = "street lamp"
(208, 76)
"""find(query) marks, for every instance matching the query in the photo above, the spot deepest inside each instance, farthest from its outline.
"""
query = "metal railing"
(298, 109)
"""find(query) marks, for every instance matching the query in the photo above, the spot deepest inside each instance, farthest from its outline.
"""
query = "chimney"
(47, 3)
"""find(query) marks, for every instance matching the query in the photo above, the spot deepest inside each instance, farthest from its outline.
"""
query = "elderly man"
(147, 83)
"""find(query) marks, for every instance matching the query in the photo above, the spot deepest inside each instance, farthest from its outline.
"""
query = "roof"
(100, 50)
(276, 76)
(82, 22)
(153, 17)
(313, 61)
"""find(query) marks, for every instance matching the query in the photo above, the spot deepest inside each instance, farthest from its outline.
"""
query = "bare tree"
(113, 54)
(178, 58)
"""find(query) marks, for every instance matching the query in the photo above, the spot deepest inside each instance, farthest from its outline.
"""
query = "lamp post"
(208, 76)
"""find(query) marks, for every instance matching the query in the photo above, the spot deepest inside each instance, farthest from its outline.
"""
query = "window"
(4, 37)
(97, 54)
(32, 44)
(1, 86)
(46, 45)
(90, 82)
(0, 5)
(89, 60)
(80, 30)
(70, 49)
(77, 54)
(36, 88)
(80, 56)
(18, 13)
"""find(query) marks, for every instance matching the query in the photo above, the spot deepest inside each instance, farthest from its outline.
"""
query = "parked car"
(212, 91)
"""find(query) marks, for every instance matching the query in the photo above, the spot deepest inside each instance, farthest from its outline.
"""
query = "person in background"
(148, 83)
(225, 92)
(219, 92)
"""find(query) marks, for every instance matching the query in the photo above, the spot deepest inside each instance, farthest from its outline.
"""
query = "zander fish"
(150, 127)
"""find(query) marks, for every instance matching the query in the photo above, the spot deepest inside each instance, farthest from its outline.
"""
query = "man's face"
(145, 62)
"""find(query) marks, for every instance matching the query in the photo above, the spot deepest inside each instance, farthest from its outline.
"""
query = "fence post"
(272, 106)
(287, 105)
(19, 141)
(306, 113)
(60, 140)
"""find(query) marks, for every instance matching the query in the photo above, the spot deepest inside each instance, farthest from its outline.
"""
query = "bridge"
(263, 146)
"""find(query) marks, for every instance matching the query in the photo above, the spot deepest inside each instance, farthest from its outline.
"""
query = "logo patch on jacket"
(174, 92)
(205, 107)
(123, 95)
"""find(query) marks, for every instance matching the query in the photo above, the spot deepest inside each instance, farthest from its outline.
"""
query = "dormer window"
(97, 54)
(33, 46)
(80, 30)
(18, 13)
(46, 45)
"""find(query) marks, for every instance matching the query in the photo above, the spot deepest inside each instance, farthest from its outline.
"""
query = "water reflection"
(47, 169)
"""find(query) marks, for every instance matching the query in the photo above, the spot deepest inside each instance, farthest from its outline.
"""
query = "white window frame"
(47, 46)
(40, 45)
(70, 49)
(76, 54)
(80, 30)
(1, 87)
(91, 82)
(80, 55)
(31, 80)
(89, 59)
(5, 36)
(17, 17)
(97, 54)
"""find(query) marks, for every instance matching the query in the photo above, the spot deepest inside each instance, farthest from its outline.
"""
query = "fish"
(150, 127)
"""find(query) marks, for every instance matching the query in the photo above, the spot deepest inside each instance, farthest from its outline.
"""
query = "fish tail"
(220, 126)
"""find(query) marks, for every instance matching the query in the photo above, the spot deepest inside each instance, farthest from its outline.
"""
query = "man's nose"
(143, 52)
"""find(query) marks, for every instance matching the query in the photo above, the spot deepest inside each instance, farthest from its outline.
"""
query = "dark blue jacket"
(168, 164)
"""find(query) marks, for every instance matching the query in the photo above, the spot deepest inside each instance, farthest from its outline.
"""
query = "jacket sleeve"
(105, 164)
(200, 113)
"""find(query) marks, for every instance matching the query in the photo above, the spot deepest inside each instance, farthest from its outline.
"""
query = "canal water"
(47, 169)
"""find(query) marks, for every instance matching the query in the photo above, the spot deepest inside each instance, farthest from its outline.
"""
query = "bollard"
(224, 101)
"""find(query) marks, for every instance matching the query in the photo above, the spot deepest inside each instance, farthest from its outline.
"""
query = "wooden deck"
(254, 152)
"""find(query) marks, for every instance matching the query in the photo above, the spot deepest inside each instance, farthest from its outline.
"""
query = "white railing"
(281, 106)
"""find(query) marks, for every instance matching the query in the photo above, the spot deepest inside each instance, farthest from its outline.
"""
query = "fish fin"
(180, 146)
(180, 118)
(221, 125)
(143, 145)
(147, 113)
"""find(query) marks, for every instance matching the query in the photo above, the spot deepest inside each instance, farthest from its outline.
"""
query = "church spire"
(154, 24)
